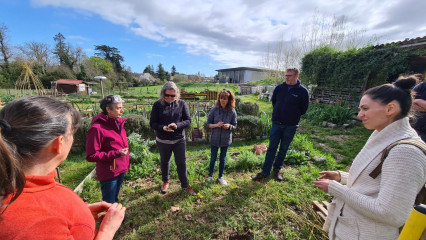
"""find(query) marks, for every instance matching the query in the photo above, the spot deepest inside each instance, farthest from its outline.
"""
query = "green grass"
(74, 169)
(345, 142)
(245, 209)
(264, 105)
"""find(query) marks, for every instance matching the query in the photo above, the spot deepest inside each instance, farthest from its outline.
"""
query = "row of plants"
(337, 114)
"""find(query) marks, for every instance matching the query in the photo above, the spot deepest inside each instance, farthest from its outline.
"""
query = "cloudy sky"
(199, 36)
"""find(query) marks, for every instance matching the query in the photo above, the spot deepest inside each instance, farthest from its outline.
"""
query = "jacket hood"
(101, 117)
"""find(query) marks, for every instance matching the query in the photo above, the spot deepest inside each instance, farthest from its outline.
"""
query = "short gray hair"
(110, 101)
(295, 70)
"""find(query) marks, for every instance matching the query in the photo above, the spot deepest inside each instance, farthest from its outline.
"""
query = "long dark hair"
(399, 91)
(27, 125)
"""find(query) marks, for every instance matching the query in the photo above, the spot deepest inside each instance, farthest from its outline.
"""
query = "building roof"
(243, 68)
(410, 43)
(69, 81)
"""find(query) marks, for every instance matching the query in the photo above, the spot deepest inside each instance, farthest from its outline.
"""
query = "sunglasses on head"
(226, 91)
(169, 95)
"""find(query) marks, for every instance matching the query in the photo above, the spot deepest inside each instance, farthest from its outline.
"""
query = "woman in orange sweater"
(36, 136)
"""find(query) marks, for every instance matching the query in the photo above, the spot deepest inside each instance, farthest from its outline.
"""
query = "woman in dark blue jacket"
(222, 120)
(169, 118)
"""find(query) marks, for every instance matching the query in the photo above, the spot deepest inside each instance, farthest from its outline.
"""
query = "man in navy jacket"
(290, 101)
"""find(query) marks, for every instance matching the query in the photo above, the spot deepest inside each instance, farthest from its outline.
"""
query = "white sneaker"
(223, 181)
(209, 179)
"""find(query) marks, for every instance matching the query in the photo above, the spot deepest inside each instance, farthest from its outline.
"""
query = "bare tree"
(4, 45)
(36, 51)
(322, 31)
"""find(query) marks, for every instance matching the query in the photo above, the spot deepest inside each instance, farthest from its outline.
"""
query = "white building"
(242, 74)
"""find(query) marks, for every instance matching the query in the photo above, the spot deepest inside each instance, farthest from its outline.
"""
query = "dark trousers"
(281, 135)
(110, 188)
(179, 151)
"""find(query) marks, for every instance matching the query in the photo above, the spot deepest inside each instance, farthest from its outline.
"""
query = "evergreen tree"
(111, 54)
(63, 51)
(173, 72)
(161, 73)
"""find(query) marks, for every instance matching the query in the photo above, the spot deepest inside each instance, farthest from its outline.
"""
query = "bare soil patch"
(338, 156)
(338, 138)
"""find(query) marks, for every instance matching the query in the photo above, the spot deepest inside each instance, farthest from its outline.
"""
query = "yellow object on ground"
(414, 228)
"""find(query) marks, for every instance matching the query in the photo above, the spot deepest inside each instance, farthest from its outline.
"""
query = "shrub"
(139, 124)
(338, 114)
(80, 135)
(5, 98)
(248, 161)
(142, 160)
(139, 148)
(248, 127)
(134, 124)
(294, 157)
(248, 108)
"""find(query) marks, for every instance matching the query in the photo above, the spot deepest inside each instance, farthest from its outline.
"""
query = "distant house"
(241, 74)
(71, 86)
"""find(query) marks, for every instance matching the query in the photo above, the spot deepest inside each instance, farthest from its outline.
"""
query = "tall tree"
(161, 73)
(173, 72)
(151, 68)
(101, 64)
(38, 52)
(63, 51)
(148, 70)
(4, 46)
(111, 54)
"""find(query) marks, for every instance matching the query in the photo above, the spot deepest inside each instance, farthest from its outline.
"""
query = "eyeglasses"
(289, 75)
(169, 95)
(226, 91)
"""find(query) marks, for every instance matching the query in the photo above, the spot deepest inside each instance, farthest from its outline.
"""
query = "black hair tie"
(5, 126)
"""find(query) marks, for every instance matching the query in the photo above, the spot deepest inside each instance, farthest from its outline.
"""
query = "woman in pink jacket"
(36, 135)
(107, 146)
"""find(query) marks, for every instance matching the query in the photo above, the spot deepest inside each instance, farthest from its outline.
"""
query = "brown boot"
(277, 175)
(258, 177)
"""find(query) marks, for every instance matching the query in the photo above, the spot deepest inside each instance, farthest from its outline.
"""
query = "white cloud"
(236, 33)
(153, 55)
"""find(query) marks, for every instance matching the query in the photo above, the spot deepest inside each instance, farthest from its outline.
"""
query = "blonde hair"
(169, 85)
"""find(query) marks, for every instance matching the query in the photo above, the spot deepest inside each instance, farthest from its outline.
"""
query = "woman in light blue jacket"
(222, 120)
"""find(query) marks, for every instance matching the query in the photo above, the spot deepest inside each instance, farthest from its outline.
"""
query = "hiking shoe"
(277, 175)
(223, 181)
(165, 187)
(209, 179)
(258, 177)
(190, 191)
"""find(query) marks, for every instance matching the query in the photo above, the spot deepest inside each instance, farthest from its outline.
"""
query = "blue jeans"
(279, 133)
(222, 158)
(110, 188)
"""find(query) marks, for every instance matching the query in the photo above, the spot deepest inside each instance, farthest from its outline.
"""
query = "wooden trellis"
(25, 80)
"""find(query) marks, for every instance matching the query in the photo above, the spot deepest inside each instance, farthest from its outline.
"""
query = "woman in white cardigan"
(367, 208)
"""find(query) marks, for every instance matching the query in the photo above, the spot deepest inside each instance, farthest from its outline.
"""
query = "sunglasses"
(288, 75)
(168, 95)
(226, 91)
